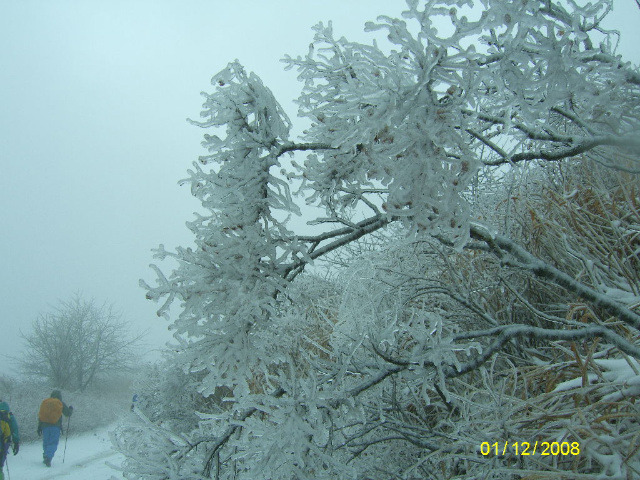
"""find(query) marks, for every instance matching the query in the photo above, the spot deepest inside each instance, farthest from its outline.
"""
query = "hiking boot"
(47, 461)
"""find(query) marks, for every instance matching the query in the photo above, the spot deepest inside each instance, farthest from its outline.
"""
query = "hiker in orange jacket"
(50, 424)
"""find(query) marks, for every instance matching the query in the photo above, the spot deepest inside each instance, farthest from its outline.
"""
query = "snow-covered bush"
(403, 365)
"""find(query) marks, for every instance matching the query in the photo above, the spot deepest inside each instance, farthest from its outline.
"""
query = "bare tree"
(76, 343)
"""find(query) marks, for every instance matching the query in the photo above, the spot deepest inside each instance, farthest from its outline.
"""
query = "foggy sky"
(93, 137)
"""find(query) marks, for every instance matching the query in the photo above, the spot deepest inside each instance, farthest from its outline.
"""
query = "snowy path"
(87, 457)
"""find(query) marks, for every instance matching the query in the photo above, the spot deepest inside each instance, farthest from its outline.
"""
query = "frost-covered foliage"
(515, 81)
(404, 362)
(228, 283)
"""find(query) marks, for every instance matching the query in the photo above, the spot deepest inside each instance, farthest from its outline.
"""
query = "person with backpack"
(50, 424)
(8, 433)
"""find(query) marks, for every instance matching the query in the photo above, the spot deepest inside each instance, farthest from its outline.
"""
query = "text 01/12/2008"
(530, 448)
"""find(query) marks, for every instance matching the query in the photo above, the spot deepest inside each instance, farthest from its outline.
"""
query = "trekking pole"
(66, 437)
(6, 462)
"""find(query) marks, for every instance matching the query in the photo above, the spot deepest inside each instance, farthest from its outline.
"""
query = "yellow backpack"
(50, 410)
(4, 426)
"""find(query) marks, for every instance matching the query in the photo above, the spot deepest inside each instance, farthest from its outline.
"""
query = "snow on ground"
(87, 457)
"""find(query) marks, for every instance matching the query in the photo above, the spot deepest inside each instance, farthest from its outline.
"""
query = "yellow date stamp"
(530, 448)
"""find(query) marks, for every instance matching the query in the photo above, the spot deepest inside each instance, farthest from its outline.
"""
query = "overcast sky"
(93, 138)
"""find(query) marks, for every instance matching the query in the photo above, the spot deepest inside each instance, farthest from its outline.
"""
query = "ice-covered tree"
(403, 132)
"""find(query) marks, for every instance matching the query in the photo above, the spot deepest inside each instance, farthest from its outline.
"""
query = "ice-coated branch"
(558, 146)
(348, 235)
(501, 336)
(575, 119)
(506, 333)
(339, 232)
(299, 147)
(488, 143)
(563, 153)
(520, 257)
(224, 438)
(630, 75)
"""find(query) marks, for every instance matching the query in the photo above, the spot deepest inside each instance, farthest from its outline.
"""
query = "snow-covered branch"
(300, 147)
(561, 153)
(348, 235)
(513, 254)
(504, 334)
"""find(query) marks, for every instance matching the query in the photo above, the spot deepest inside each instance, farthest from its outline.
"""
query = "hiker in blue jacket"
(50, 424)
(8, 433)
